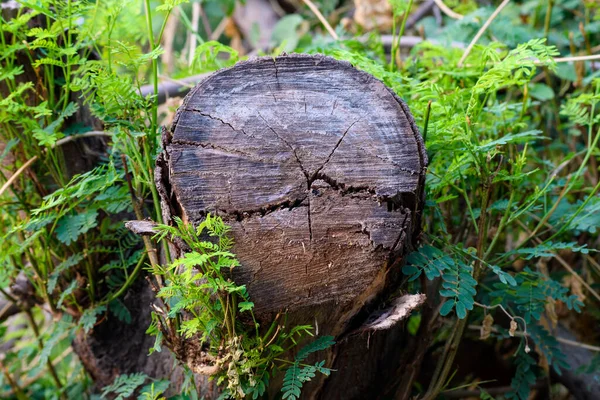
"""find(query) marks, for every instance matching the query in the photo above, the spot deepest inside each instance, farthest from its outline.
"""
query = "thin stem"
(154, 119)
(447, 362)
(447, 10)
(403, 26)
(49, 364)
(130, 279)
(60, 142)
(481, 31)
(13, 384)
(548, 18)
(139, 215)
(321, 18)
(426, 124)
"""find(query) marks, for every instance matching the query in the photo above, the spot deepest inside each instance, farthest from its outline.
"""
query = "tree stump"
(319, 170)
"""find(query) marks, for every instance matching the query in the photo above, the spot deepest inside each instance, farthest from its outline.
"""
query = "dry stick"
(559, 339)
(447, 10)
(577, 58)
(493, 391)
(220, 28)
(481, 31)
(168, 39)
(589, 258)
(58, 143)
(546, 217)
(39, 375)
(419, 13)
(179, 82)
(205, 21)
(321, 18)
(17, 173)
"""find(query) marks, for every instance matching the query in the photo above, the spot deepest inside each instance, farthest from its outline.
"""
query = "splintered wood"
(317, 167)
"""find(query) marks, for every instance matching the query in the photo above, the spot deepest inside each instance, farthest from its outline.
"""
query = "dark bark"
(319, 170)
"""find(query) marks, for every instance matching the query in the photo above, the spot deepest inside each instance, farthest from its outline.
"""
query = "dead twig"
(321, 18)
(447, 10)
(481, 31)
(568, 342)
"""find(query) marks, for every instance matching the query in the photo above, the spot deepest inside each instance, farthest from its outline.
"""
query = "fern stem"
(139, 215)
(394, 39)
(154, 119)
(481, 31)
(401, 33)
(130, 279)
(426, 124)
(40, 342)
(548, 18)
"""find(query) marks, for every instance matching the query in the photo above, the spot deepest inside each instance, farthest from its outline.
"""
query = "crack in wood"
(286, 143)
(221, 120)
(310, 234)
(333, 151)
(182, 142)
(265, 210)
(345, 189)
(276, 70)
(403, 231)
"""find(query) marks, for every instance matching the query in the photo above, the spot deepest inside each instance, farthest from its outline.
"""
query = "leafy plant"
(201, 302)
(297, 374)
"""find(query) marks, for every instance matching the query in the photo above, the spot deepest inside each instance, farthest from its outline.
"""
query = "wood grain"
(318, 168)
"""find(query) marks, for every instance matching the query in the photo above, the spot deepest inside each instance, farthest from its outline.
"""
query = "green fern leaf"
(124, 386)
(70, 227)
(63, 266)
(320, 343)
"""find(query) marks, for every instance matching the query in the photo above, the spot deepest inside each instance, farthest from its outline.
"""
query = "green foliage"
(532, 293)
(524, 377)
(504, 147)
(207, 56)
(59, 225)
(124, 386)
(203, 303)
(296, 374)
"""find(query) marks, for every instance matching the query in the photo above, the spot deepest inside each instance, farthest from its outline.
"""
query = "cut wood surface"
(319, 170)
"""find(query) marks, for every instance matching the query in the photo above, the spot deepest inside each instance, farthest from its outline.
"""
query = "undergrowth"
(203, 303)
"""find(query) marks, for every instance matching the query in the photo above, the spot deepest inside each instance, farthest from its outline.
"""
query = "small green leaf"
(70, 227)
(447, 307)
(245, 306)
(461, 311)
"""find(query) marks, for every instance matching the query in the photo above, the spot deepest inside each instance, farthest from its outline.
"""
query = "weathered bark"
(319, 170)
